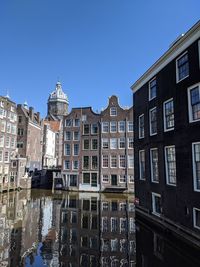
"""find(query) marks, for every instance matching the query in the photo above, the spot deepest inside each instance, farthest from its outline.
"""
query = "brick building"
(8, 140)
(167, 138)
(29, 138)
(98, 149)
(81, 150)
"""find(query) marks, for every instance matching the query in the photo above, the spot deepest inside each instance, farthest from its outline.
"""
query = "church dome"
(58, 95)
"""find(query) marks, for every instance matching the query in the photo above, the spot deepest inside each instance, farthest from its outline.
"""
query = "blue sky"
(96, 47)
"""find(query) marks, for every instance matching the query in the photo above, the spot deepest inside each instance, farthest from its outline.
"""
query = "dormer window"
(113, 111)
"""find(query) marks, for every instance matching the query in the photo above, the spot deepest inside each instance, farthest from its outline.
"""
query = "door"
(113, 179)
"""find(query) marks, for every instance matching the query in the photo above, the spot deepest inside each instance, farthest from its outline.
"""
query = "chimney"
(38, 117)
(31, 113)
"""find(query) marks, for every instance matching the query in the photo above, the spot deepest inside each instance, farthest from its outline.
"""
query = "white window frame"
(141, 151)
(153, 195)
(115, 143)
(124, 157)
(151, 165)
(65, 165)
(177, 72)
(91, 145)
(105, 182)
(106, 141)
(74, 149)
(111, 162)
(73, 165)
(131, 179)
(150, 126)
(166, 169)
(102, 161)
(115, 111)
(130, 124)
(102, 125)
(123, 142)
(193, 167)
(130, 159)
(150, 88)
(141, 136)
(115, 122)
(129, 141)
(164, 115)
(119, 127)
(191, 120)
(194, 218)
(124, 177)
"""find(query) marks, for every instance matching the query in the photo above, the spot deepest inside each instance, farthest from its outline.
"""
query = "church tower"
(57, 103)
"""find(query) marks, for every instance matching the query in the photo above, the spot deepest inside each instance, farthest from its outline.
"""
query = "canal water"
(38, 228)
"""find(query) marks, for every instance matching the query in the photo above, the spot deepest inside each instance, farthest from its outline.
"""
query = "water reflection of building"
(96, 231)
(156, 247)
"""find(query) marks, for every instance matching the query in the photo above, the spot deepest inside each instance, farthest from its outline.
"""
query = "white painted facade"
(49, 159)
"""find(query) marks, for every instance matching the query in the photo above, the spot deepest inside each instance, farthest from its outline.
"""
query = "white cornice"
(190, 37)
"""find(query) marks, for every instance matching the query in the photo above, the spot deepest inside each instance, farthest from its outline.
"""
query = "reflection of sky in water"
(35, 260)
(41, 229)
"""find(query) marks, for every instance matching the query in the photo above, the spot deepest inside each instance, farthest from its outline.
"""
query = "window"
(152, 89)
(76, 136)
(67, 149)
(20, 144)
(182, 67)
(6, 156)
(122, 161)
(75, 165)
(141, 126)
(1, 140)
(113, 143)
(114, 247)
(104, 224)
(8, 127)
(73, 178)
(114, 224)
(94, 129)
(12, 142)
(154, 164)
(105, 161)
(3, 126)
(67, 164)
(94, 179)
(94, 144)
(196, 165)
(130, 142)
(85, 221)
(76, 149)
(122, 178)
(94, 162)
(105, 143)
(105, 178)
(77, 122)
(196, 218)
(67, 136)
(142, 164)
(130, 126)
(131, 179)
(113, 111)
(20, 131)
(121, 126)
(153, 121)
(7, 141)
(84, 118)
(156, 204)
(194, 103)
(122, 142)
(13, 129)
(168, 107)
(85, 162)
(130, 161)
(86, 129)
(86, 178)
(113, 161)
(86, 144)
(170, 165)
(123, 225)
(68, 122)
(105, 127)
(1, 155)
(113, 126)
